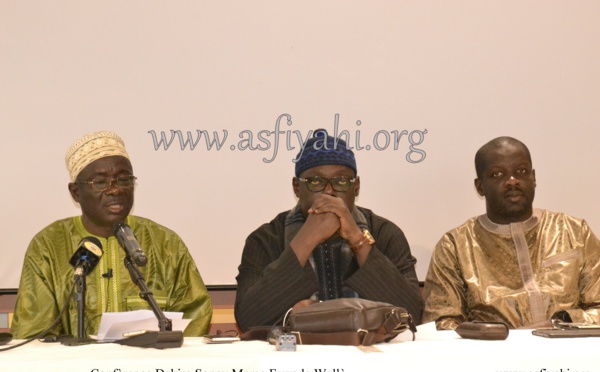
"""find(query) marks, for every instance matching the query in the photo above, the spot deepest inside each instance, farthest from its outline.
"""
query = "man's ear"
(296, 186)
(534, 182)
(479, 187)
(357, 186)
(74, 190)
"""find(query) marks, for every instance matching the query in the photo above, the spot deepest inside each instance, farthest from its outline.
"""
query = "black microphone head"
(87, 255)
(127, 239)
(120, 226)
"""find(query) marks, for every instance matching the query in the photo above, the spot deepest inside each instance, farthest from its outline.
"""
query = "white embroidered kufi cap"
(92, 147)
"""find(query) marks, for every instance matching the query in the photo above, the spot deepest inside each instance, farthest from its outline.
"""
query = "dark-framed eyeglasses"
(103, 184)
(316, 184)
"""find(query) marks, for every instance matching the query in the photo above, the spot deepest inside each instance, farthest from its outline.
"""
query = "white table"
(432, 351)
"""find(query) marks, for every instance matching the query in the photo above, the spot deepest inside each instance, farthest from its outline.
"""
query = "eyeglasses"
(316, 184)
(103, 184)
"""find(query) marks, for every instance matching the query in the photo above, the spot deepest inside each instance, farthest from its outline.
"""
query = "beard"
(510, 211)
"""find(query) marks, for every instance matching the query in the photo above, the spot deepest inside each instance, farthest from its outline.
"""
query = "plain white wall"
(464, 71)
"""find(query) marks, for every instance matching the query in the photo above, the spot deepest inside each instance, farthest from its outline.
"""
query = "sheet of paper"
(114, 325)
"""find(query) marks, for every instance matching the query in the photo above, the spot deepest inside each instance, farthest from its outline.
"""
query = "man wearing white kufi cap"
(102, 182)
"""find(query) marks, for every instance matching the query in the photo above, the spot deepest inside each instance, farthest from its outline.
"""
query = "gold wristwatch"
(367, 234)
(366, 238)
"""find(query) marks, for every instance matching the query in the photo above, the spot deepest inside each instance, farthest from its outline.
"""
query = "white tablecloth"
(432, 351)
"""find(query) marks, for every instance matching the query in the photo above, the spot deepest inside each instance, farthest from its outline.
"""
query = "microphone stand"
(80, 298)
(165, 337)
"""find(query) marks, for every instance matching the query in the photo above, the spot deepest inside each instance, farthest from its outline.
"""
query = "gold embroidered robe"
(520, 274)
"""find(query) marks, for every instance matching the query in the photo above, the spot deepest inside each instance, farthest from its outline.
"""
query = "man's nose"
(512, 180)
(114, 188)
(329, 188)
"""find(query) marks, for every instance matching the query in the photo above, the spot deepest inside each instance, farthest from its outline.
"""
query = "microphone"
(130, 244)
(87, 255)
(84, 261)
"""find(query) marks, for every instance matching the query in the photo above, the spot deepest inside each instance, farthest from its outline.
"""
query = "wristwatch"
(367, 238)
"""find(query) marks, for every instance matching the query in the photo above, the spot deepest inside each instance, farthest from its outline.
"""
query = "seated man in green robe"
(102, 182)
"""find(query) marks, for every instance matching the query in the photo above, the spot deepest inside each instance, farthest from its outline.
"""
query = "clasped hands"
(328, 217)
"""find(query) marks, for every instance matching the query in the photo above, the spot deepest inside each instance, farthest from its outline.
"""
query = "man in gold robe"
(102, 182)
(515, 264)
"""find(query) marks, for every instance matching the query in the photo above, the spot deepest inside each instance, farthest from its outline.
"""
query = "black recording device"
(5, 338)
(483, 330)
(87, 255)
(128, 241)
